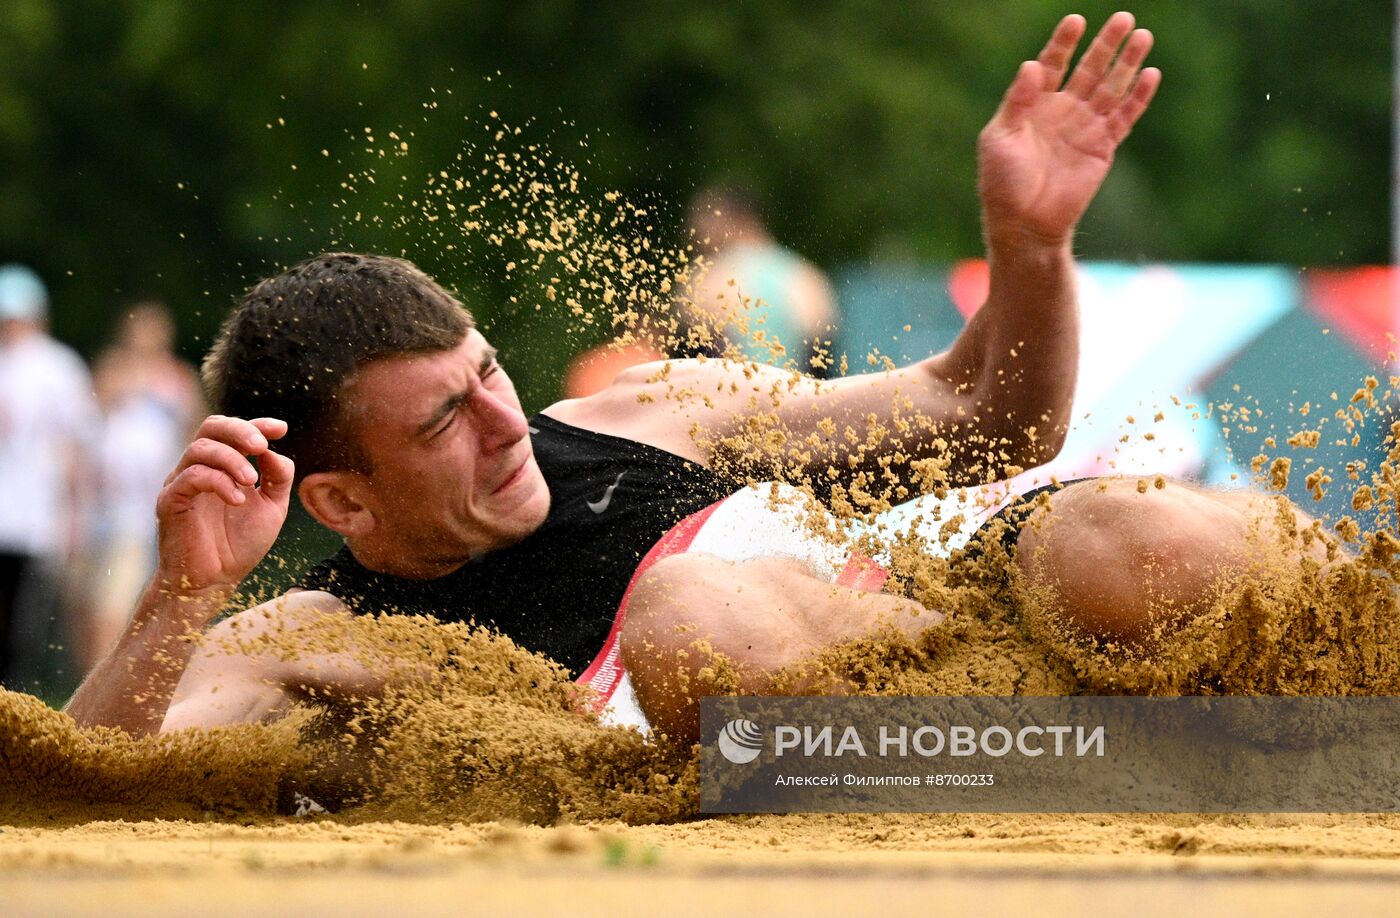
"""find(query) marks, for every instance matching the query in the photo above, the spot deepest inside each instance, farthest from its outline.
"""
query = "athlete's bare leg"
(1119, 561)
(249, 670)
(695, 623)
(253, 666)
(224, 685)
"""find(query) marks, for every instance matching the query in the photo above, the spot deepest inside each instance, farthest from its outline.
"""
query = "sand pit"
(486, 785)
(785, 865)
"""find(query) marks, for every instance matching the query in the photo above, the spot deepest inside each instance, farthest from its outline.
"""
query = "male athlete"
(400, 431)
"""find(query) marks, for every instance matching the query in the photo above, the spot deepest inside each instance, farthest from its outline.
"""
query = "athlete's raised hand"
(218, 514)
(1049, 146)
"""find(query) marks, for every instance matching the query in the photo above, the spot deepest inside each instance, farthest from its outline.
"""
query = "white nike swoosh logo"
(601, 505)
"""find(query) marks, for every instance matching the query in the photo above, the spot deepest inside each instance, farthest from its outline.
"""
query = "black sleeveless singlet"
(556, 592)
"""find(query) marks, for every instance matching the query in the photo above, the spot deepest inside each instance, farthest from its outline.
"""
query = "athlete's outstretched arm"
(1042, 159)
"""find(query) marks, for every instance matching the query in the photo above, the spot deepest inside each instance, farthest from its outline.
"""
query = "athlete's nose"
(498, 422)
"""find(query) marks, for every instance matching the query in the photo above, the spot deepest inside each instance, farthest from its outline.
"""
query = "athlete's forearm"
(1018, 357)
(131, 688)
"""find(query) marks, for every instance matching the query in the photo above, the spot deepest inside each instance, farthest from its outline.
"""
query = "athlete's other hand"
(218, 514)
(1046, 151)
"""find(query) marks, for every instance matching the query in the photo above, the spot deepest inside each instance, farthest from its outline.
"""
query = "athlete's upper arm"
(711, 409)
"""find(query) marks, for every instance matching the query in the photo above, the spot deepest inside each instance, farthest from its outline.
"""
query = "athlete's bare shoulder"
(654, 403)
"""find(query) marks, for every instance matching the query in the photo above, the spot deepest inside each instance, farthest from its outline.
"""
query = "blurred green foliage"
(141, 151)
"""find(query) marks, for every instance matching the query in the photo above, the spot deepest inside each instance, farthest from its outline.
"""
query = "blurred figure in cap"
(23, 296)
(47, 411)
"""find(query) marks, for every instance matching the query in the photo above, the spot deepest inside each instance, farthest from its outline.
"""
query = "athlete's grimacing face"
(452, 473)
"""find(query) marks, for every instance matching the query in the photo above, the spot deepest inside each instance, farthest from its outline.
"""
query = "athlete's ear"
(335, 500)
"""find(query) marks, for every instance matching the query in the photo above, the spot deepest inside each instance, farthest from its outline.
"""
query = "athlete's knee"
(224, 684)
(1122, 558)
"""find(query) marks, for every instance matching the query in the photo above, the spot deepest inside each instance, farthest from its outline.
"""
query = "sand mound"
(50, 769)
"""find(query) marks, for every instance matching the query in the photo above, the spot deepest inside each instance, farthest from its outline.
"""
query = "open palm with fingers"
(1048, 148)
(218, 515)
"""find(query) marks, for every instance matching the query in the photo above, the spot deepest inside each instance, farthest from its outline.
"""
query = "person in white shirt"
(47, 410)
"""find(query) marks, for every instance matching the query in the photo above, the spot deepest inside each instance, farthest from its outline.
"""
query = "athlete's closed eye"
(447, 424)
(488, 365)
(488, 369)
(443, 418)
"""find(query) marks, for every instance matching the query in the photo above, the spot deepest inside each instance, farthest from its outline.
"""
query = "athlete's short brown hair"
(294, 341)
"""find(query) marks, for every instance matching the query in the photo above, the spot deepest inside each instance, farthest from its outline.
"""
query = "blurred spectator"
(46, 414)
(595, 369)
(764, 299)
(150, 403)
